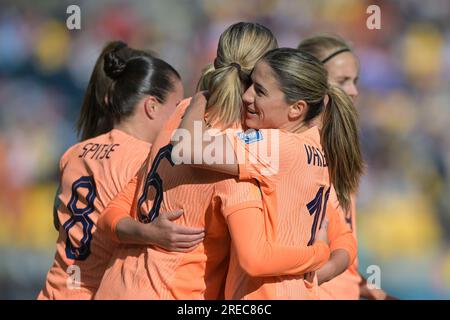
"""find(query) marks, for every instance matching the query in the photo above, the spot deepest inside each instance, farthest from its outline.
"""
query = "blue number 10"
(315, 208)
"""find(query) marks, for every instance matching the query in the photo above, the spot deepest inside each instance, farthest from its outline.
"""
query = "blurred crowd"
(404, 105)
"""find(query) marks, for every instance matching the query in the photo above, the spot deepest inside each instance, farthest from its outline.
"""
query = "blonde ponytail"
(225, 91)
(240, 46)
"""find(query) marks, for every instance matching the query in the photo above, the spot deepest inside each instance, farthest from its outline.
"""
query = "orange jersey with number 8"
(92, 173)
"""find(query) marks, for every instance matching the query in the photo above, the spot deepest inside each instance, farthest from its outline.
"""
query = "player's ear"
(298, 109)
(151, 107)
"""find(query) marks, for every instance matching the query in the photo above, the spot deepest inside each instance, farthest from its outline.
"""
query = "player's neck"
(299, 127)
(317, 121)
(136, 129)
(295, 127)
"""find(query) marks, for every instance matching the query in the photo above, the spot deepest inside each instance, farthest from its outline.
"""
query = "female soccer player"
(343, 71)
(209, 199)
(129, 96)
(289, 91)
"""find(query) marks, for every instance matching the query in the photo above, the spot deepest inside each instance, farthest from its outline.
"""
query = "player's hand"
(199, 100)
(380, 294)
(165, 233)
(373, 294)
(202, 96)
(322, 234)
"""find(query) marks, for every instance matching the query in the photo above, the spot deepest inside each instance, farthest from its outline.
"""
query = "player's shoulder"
(74, 149)
(311, 137)
(67, 155)
(275, 137)
(113, 145)
(127, 142)
(131, 151)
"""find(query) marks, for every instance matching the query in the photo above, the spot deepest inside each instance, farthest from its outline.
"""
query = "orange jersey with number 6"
(226, 208)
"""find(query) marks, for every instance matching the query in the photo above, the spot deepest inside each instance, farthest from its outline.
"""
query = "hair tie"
(113, 65)
(236, 65)
(335, 54)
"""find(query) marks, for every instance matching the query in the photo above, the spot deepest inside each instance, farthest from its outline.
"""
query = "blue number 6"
(80, 215)
(154, 180)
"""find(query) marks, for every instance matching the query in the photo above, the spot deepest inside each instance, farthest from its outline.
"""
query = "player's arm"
(162, 232)
(194, 116)
(260, 257)
(342, 246)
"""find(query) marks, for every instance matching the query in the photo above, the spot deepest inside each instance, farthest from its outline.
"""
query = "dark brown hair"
(121, 77)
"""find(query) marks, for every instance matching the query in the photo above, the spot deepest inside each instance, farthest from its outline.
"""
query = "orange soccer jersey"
(293, 174)
(210, 200)
(92, 173)
(346, 285)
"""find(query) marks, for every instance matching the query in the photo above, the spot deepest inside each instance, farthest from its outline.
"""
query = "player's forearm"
(341, 236)
(109, 220)
(343, 253)
(337, 264)
(193, 120)
(195, 112)
(193, 125)
(260, 257)
(347, 243)
(117, 209)
(277, 260)
(130, 231)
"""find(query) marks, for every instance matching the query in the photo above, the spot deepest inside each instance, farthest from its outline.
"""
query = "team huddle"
(143, 218)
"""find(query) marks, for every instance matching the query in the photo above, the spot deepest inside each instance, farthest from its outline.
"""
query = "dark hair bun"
(114, 65)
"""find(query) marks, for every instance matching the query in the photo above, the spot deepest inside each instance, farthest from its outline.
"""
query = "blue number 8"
(154, 180)
(80, 215)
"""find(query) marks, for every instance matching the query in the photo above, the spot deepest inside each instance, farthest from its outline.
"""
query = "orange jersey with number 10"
(293, 174)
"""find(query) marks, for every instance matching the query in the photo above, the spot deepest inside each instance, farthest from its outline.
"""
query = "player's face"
(265, 103)
(343, 72)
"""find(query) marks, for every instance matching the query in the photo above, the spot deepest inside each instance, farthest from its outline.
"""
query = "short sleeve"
(264, 155)
(237, 195)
